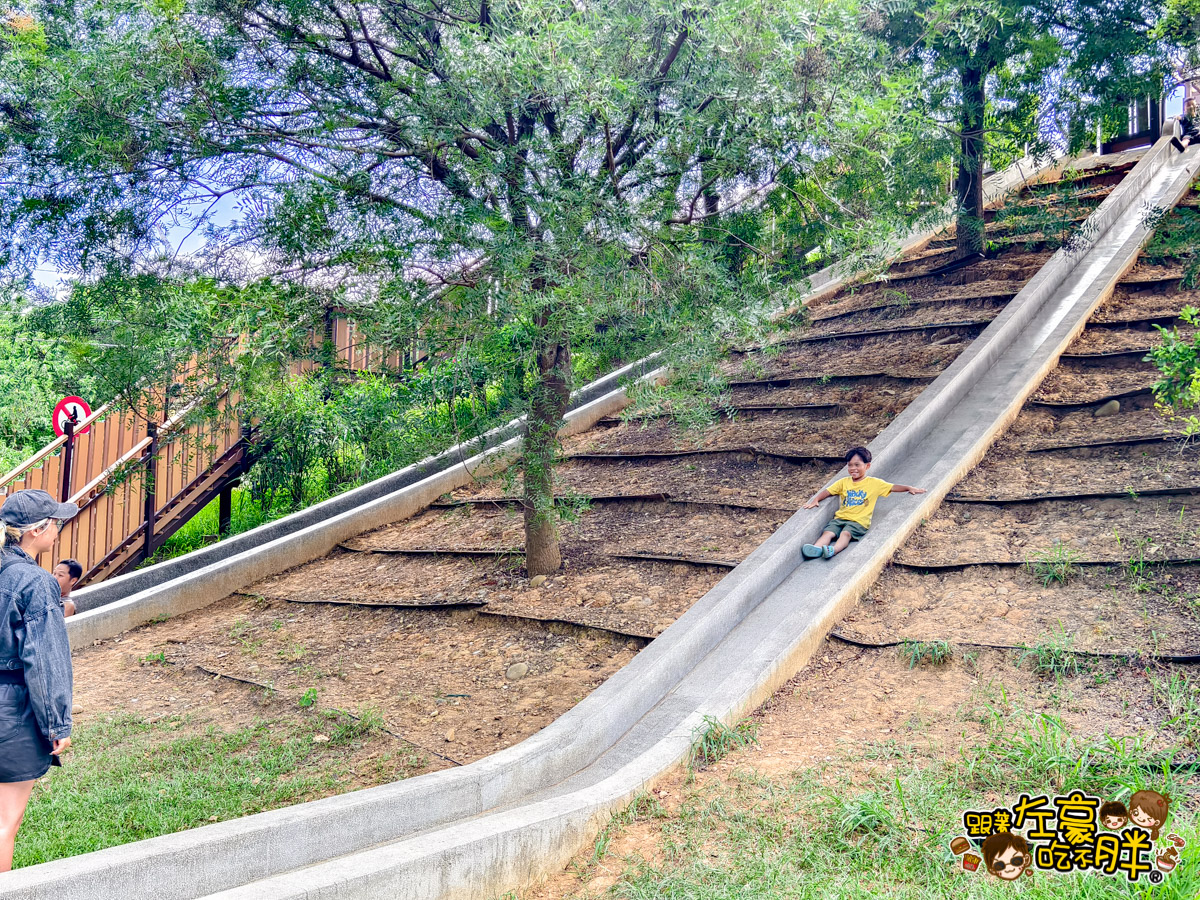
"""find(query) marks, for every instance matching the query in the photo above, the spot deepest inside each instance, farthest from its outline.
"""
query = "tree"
(509, 181)
(34, 374)
(1180, 24)
(1014, 70)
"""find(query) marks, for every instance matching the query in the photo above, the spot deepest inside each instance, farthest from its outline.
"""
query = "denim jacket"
(33, 635)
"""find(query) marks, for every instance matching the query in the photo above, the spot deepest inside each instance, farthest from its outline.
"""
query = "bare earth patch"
(1008, 474)
(1108, 610)
(438, 679)
(1099, 531)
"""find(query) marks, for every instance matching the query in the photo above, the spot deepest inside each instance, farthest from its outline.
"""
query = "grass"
(1055, 656)
(714, 739)
(643, 806)
(935, 653)
(1054, 565)
(833, 832)
(201, 529)
(1178, 696)
(126, 779)
(1138, 568)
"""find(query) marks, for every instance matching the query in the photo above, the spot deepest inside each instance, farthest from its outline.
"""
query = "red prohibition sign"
(70, 409)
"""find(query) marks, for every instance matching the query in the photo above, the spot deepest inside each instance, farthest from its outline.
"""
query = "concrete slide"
(482, 829)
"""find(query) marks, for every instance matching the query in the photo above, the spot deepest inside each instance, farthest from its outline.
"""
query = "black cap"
(25, 508)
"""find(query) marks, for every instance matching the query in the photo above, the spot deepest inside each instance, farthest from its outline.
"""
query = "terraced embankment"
(670, 510)
(724, 645)
(1091, 475)
(430, 620)
(999, 665)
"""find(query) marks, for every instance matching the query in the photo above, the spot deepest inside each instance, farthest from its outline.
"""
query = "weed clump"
(1055, 656)
(1054, 565)
(935, 653)
(714, 740)
(1179, 697)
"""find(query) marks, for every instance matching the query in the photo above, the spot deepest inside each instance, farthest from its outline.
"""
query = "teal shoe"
(829, 551)
(811, 551)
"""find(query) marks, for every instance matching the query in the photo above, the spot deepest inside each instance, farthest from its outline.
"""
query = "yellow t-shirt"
(858, 498)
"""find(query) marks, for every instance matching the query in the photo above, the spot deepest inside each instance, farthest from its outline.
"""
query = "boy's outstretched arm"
(816, 498)
(906, 489)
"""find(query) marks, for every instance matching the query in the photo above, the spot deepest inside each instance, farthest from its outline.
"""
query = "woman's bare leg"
(14, 797)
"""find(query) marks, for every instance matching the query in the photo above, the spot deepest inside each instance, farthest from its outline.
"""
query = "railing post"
(68, 460)
(225, 510)
(328, 353)
(151, 500)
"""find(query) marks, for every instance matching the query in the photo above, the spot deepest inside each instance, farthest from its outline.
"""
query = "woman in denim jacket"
(35, 657)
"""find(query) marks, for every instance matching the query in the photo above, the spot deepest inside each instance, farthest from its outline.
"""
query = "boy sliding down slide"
(859, 494)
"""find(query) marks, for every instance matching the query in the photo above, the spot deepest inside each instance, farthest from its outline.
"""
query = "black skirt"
(24, 750)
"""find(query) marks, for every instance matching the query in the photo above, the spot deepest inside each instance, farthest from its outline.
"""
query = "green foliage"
(520, 193)
(935, 653)
(348, 729)
(1011, 73)
(201, 529)
(1055, 564)
(845, 830)
(1054, 656)
(1052, 222)
(319, 434)
(295, 423)
(130, 779)
(1178, 695)
(1177, 240)
(1137, 568)
(308, 698)
(36, 371)
(1180, 25)
(1177, 359)
(713, 740)
(871, 815)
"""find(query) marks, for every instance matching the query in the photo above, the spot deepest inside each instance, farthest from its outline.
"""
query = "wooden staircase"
(139, 476)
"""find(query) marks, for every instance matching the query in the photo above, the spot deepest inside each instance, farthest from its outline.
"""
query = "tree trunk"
(548, 404)
(969, 184)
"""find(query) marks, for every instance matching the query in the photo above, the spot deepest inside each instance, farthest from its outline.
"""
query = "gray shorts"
(857, 532)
